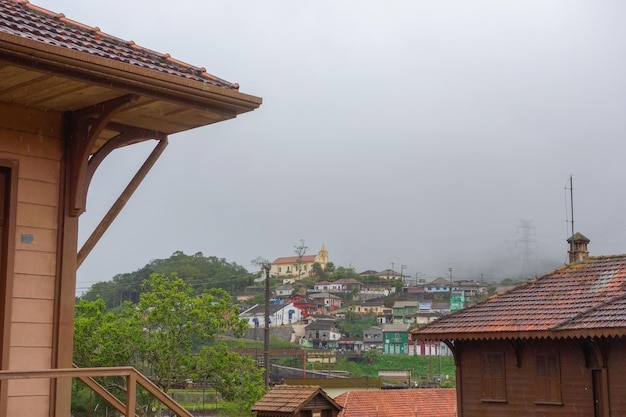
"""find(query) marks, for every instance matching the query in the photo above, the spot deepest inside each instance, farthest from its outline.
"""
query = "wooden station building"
(69, 96)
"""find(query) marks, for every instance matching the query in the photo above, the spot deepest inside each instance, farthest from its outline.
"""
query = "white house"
(280, 315)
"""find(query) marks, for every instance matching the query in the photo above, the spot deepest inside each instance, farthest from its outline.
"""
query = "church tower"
(322, 257)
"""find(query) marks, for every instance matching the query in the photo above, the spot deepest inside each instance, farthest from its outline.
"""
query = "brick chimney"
(577, 248)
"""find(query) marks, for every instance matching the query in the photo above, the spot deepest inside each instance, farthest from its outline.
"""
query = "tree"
(318, 271)
(162, 334)
(300, 251)
(173, 321)
(236, 377)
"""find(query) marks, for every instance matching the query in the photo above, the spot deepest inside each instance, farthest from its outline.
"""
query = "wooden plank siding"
(32, 138)
(521, 387)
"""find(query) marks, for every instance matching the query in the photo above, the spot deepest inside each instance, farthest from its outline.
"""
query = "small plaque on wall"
(27, 238)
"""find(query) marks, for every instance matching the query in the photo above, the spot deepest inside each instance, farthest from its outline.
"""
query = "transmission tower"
(526, 246)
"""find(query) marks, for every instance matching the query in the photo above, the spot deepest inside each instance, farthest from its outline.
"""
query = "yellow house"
(299, 267)
(69, 96)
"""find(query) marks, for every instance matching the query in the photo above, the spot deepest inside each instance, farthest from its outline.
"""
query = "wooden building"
(69, 96)
(296, 401)
(555, 346)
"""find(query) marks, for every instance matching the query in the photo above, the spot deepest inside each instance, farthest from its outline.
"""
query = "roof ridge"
(590, 310)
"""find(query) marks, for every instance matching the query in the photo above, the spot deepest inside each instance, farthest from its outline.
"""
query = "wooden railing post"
(131, 394)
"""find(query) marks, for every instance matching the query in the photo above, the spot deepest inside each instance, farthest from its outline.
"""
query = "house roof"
(321, 324)
(323, 295)
(403, 304)
(348, 281)
(441, 281)
(260, 309)
(294, 259)
(291, 398)
(395, 327)
(583, 299)
(429, 402)
(53, 63)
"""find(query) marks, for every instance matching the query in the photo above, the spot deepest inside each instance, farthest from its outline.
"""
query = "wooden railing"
(86, 375)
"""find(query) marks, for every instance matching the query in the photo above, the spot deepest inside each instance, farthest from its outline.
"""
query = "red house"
(555, 346)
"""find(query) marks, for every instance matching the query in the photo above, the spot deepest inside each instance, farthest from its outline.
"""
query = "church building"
(299, 267)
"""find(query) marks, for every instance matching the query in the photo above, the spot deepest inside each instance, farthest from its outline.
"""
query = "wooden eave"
(53, 78)
(508, 335)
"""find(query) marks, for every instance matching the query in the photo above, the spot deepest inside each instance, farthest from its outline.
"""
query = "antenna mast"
(571, 200)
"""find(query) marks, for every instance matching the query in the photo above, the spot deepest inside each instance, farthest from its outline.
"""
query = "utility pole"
(402, 268)
(266, 333)
(265, 268)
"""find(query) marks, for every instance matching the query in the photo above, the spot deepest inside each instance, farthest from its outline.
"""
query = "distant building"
(321, 334)
(299, 266)
(279, 315)
(326, 301)
(395, 339)
(284, 290)
(373, 338)
(457, 300)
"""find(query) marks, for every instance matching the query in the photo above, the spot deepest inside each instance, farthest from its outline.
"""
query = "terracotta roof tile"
(577, 297)
(289, 398)
(399, 403)
(294, 259)
(25, 20)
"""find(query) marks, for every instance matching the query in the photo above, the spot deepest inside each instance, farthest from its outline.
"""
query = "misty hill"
(199, 271)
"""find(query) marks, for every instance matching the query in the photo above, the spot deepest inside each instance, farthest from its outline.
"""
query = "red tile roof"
(576, 300)
(295, 259)
(290, 398)
(399, 403)
(20, 18)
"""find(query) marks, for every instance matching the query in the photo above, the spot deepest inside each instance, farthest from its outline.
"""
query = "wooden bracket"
(595, 353)
(82, 129)
(455, 348)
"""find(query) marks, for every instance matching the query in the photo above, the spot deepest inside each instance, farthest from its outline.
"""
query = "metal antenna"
(571, 200)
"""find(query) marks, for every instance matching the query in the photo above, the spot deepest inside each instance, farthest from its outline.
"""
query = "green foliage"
(158, 335)
(198, 271)
(318, 271)
(371, 356)
(354, 324)
(423, 368)
(235, 377)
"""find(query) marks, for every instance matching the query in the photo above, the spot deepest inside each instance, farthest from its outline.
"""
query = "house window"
(548, 379)
(494, 381)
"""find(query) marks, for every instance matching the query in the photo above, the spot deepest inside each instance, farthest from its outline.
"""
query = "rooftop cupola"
(577, 247)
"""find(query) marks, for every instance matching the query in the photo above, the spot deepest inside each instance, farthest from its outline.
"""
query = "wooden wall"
(32, 138)
(617, 377)
(576, 384)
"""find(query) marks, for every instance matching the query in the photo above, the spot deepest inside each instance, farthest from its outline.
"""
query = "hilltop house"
(326, 302)
(395, 339)
(373, 338)
(298, 267)
(70, 95)
(279, 315)
(321, 334)
(439, 286)
(555, 346)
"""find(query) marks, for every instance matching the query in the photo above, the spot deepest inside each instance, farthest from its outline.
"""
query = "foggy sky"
(417, 133)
